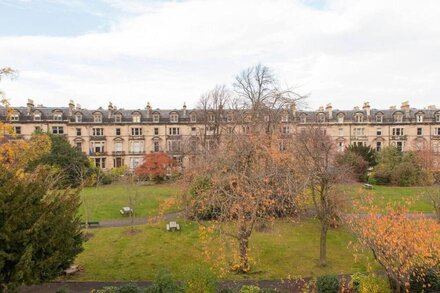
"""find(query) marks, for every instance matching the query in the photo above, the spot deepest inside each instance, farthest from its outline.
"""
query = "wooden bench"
(173, 226)
(91, 223)
(368, 186)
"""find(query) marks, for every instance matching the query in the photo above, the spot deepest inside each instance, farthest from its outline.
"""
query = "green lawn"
(384, 195)
(105, 202)
(287, 249)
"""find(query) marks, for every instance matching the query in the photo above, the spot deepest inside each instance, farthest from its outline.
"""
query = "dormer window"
(97, 118)
(340, 118)
(15, 116)
(57, 116)
(174, 118)
(321, 117)
(379, 118)
(303, 118)
(419, 117)
(37, 116)
(398, 118)
(359, 118)
(78, 118)
(118, 118)
(437, 117)
(229, 117)
(193, 117)
(156, 118)
(211, 117)
(136, 118)
(285, 118)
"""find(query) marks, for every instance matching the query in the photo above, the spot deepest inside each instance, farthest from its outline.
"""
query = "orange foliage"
(154, 165)
(400, 242)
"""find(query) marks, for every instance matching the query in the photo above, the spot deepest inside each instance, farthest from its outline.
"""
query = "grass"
(287, 249)
(384, 195)
(104, 202)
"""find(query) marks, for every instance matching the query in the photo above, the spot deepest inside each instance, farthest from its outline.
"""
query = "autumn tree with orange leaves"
(405, 245)
(155, 166)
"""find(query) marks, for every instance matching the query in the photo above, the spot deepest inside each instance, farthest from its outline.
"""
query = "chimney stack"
(148, 110)
(293, 109)
(71, 107)
(184, 109)
(30, 106)
(367, 108)
(405, 107)
(110, 110)
(329, 110)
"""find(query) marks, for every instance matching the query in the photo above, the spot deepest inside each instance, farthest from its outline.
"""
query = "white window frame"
(174, 118)
(97, 118)
(98, 131)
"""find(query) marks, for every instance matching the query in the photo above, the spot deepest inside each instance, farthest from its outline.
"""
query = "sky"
(131, 52)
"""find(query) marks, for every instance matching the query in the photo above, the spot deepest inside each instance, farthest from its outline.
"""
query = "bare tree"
(316, 158)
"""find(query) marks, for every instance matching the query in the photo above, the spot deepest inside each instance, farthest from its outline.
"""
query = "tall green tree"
(40, 232)
(66, 158)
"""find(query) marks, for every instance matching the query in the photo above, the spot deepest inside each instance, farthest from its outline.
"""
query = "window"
(437, 131)
(285, 130)
(397, 131)
(398, 118)
(285, 118)
(137, 146)
(118, 118)
(341, 118)
(37, 129)
(358, 131)
(118, 162)
(156, 118)
(437, 118)
(419, 117)
(15, 117)
(321, 117)
(98, 131)
(78, 118)
(359, 143)
(174, 118)
(211, 118)
(379, 131)
(378, 146)
(156, 131)
(193, 117)
(379, 118)
(97, 147)
(156, 146)
(97, 118)
(193, 131)
(359, 118)
(100, 162)
(136, 131)
(118, 131)
(78, 132)
(174, 146)
(136, 118)
(37, 116)
(419, 131)
(399, 145)
(58, 116)
(245, 129)
(57, 130)
(341, 131)
(303, 118)
(118, 146)
(78, 146)
(17, 130)
(174, 130)
(340, 146)
(134, 162)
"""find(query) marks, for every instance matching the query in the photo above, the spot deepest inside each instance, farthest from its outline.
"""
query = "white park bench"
(173, 226)
(126, 211)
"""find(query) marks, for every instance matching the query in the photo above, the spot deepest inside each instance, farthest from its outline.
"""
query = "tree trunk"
(244, 262)
(323, 245)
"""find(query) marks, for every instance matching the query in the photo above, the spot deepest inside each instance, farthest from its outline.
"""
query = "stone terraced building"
(114, 137)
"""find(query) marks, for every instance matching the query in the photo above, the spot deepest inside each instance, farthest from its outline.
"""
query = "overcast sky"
(169, 52)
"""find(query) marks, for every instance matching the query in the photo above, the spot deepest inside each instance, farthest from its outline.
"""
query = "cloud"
(344, 52)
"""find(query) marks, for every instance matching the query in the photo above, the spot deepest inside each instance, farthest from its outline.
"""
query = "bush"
(164, 283)
(355, 162)
(372, 180)
(200, 279)
(250, 289)
(429, 282)
(370, 283)
(129, 288)
(328, 284)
